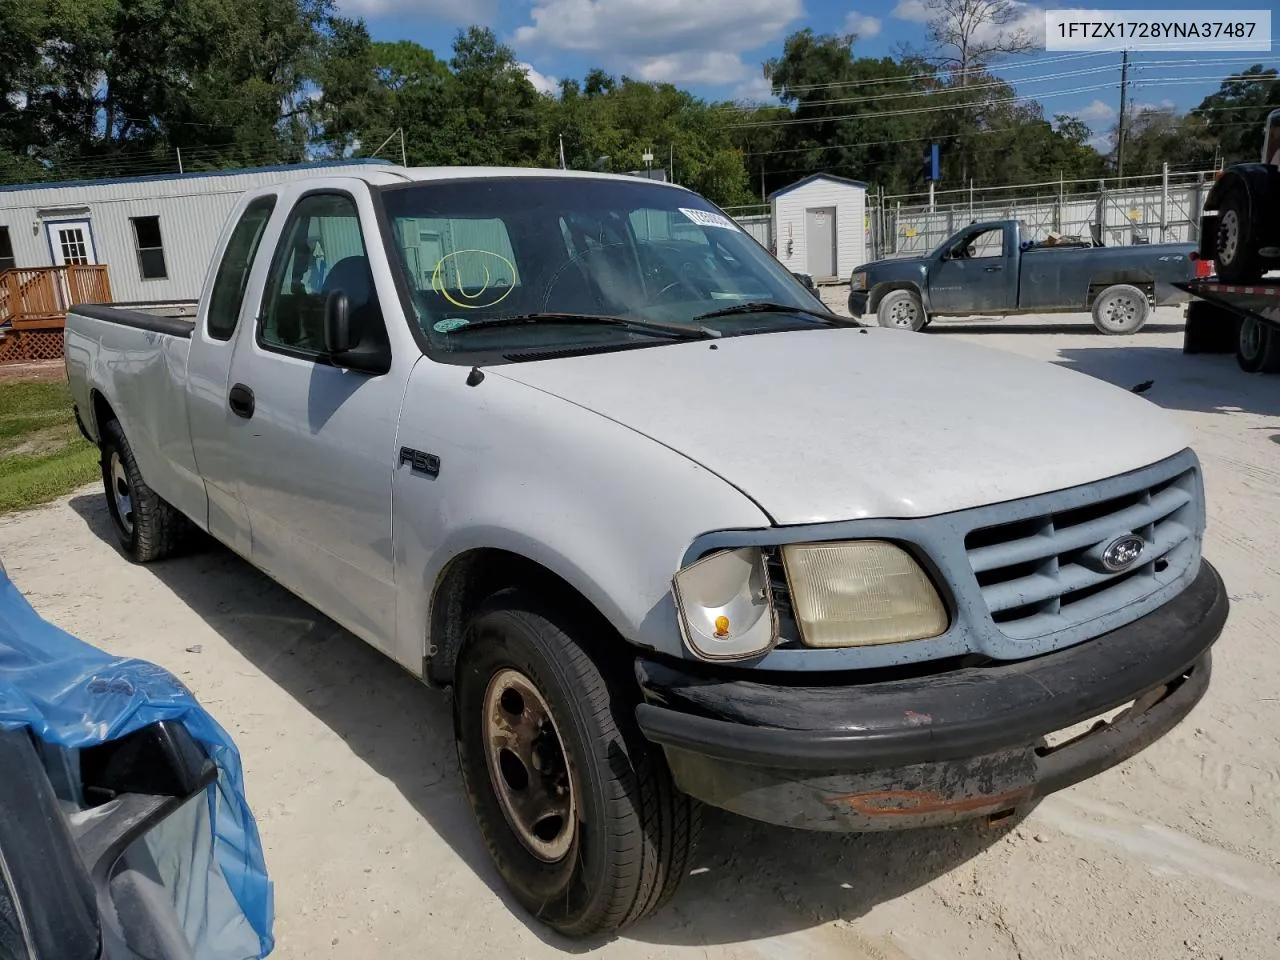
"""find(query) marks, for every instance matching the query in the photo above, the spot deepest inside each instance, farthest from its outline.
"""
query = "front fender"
(608, 510)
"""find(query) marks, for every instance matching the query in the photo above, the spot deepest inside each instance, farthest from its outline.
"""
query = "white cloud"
(450, 11)
(1102, 142)
(913, 11)
(759, 89)
(1096, 112)
(1027, 18)
(18, 100)
(541, 82)
(862, 24)
(680, 41)
(1138, 106)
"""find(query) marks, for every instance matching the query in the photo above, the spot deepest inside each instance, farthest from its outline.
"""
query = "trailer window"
(146, 234)
(6, 251)
(233, 272)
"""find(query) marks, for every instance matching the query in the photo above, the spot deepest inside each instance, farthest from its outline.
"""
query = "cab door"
(314, 443)
(976, 274)
(227, 305)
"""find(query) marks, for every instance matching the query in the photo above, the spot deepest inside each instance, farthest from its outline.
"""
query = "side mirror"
(338, 335)
(355, 344)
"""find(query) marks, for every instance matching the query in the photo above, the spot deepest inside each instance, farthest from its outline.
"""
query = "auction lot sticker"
(1194, 31)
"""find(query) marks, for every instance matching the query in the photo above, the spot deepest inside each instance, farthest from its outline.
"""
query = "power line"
(997, 84)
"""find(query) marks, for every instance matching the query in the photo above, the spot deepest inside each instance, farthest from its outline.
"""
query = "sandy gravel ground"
(351, 766)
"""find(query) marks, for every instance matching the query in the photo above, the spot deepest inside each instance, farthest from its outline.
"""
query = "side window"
(150, 248)
(321, 251)
(989, 243)
(233, 272)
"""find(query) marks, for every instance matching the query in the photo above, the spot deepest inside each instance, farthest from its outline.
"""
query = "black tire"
(901, 310)
(633, 832)
(1236, 258)
(1121, 310)
(1258, 347)
(148, 527)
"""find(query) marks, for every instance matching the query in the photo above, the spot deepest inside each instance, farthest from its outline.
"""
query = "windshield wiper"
(766, 306)
(682, 331)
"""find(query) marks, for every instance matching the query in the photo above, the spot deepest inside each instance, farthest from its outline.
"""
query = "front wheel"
(1121, 309)
(577, 810)
(902, 310)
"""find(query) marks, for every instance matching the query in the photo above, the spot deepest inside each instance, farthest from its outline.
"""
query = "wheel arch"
(471, 577)
(883, 289)
(100, 414)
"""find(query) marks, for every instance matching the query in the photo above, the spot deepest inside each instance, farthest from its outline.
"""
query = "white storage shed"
(156, 234)
(819, 226)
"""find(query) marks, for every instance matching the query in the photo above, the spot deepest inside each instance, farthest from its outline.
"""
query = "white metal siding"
(191, 209)
(850, 203)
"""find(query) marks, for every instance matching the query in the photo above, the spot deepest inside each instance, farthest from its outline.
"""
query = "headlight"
(859, 593)
(726, 606)
(858, 281)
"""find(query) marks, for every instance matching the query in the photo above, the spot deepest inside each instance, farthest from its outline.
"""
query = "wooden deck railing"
(37, 298)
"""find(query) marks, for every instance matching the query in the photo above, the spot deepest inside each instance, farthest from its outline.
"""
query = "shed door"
(820, 240)
(71, 242)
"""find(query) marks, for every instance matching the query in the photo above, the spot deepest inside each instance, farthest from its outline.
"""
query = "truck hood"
(824, 425)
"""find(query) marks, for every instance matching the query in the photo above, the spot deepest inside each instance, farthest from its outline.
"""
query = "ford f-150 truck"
(577, 446)
(994, 269)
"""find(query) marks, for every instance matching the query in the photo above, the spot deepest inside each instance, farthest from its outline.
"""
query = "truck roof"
(387, 175)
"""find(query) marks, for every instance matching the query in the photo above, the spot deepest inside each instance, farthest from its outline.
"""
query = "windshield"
(558, 251)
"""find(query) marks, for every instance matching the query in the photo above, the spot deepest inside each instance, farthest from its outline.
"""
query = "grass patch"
(42, 455)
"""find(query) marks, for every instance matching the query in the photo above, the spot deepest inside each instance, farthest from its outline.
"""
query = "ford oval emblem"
(1123, 552)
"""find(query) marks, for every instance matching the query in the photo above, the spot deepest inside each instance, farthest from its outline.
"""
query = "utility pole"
(671, 165)
(562, 165)
(1124, 89)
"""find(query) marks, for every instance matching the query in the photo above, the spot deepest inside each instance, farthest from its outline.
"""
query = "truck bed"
(137, 362)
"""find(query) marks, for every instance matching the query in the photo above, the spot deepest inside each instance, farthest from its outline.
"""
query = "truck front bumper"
(858, 303)
(893, 752)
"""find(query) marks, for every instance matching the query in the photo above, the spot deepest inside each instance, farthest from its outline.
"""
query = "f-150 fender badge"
(427, 464)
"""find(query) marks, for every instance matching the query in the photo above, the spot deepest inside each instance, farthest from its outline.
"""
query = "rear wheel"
(148, 527)
(1236, 258)
(1258, 349)
(901, 310)
(1120, 310)
(578, 811)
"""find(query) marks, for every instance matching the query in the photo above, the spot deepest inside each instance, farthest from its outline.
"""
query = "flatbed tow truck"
(1240, 233)
(1243, 317)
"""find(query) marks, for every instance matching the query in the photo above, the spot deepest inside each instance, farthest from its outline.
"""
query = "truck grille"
(1039, 575)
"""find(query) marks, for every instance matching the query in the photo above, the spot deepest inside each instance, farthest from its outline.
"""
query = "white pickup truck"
(577, 446)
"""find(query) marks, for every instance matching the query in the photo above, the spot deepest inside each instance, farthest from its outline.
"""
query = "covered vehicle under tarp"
(138, 789)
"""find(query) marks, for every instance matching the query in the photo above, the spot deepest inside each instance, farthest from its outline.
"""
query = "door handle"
(241, 401)
(995, 269)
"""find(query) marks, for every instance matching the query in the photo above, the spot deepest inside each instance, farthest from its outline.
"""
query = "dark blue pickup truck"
(994, 269)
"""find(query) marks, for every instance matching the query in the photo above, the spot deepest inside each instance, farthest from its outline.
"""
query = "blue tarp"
(73, 695)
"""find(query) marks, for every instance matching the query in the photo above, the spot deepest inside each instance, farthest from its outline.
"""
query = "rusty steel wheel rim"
(528, 766)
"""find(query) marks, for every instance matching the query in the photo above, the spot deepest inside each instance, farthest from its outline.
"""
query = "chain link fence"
(1115, 212)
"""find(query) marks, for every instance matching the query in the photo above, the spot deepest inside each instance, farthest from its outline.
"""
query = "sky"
(715, 48)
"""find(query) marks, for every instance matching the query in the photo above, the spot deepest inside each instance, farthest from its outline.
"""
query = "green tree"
(1234, 116)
